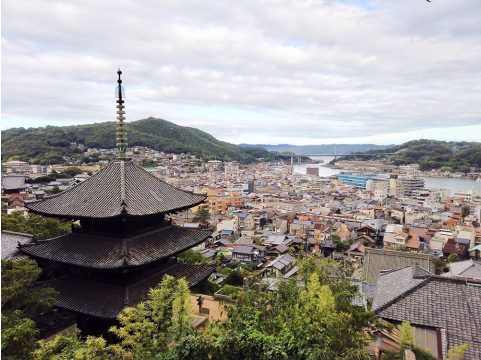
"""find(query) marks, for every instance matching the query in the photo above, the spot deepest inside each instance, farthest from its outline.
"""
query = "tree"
(191, 257)
(41, 226)
(440, 266)
(146, 162)
(202, 214)
(457, 352)
(402, 248)
(341, 245)
(72, 171)
(234, 278)
(19, 333)
(453, 258)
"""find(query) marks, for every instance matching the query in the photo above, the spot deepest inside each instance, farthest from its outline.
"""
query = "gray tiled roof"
(12, 182)
(468, 268)
(106, 301)
(10, 241)
(446, 303)
(396, 282)
(121, 188)
(107, 252)
(376, 260)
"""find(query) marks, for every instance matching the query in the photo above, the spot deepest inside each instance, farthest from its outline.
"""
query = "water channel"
(452, 184)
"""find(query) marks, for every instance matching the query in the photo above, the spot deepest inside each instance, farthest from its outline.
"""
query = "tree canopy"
(19, 301)
(41, 226)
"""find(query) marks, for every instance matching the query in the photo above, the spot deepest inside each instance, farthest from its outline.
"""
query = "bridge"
(344, 154)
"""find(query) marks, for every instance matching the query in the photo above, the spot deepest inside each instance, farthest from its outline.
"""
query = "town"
(379, 222)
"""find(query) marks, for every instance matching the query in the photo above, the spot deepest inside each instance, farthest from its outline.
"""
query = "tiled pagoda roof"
(106, 301)
(121, 188)
(109, 253)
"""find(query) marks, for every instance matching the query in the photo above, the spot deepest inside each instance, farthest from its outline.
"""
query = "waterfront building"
(351, 178)
(412, 183)
(124, 243)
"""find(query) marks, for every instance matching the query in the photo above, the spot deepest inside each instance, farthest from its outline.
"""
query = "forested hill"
(429, 154)
(46, 144)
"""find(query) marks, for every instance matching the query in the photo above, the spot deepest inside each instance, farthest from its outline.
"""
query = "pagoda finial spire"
(121, 134)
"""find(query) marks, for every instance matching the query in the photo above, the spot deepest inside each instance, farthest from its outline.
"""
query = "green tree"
(41, 226)
(19, 333)
(191, 257)
(457, 352)
(72, 171)
(440, 266)
(453, 258)
(202, 214)
(402, 248)
(146, 162)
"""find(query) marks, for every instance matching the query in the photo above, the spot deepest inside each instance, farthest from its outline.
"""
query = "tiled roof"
(376, 260)
(121, 188)
(12, 182)
(446, 303)
(106, 301)
(107, 252)
(396, 282)
(10, 241)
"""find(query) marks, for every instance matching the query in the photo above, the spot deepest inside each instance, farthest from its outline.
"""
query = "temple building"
(125, 243)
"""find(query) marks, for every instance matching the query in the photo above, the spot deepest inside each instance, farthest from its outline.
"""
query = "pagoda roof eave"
(120, 189)
(115, 217)
(105, 301)
(104, 253)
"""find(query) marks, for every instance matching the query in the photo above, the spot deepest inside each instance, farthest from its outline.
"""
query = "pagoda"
(125, 243)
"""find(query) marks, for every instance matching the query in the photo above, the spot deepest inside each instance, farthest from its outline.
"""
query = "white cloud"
(288, 71)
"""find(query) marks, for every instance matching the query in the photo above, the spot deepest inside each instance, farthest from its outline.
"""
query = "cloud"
(303, 71)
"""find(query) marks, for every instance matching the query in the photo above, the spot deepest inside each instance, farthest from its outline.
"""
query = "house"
(12, 184)
(16, 200)
(356, 250)
(451, 247)
(249, 254)
(279, 267)
(209, 253)
(467, 269)
(444, 311)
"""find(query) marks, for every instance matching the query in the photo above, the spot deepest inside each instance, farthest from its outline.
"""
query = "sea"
(452, 184)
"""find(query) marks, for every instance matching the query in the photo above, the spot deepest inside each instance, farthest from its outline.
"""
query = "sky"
(251, 71)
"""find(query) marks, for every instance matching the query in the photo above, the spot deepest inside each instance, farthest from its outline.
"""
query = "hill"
(320, 149)
(49, 144)
(429, 154)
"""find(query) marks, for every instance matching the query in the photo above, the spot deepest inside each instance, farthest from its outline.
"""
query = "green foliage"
(313, 321)
(145, 162)
(144, 329)
(457, 352)
(429, 155)
(406, 332)
(453, 258)
(234, 278)
(206, 287)
(401, 248)
(202, 214)
(232, 291)
(72, 171)
(19, 335)
(40, 226)
(226, 271)
(18, 331)
(219, 258)
(50, 144)
(440, 266)
(191, 257)
(233, 265)
(72, 347)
